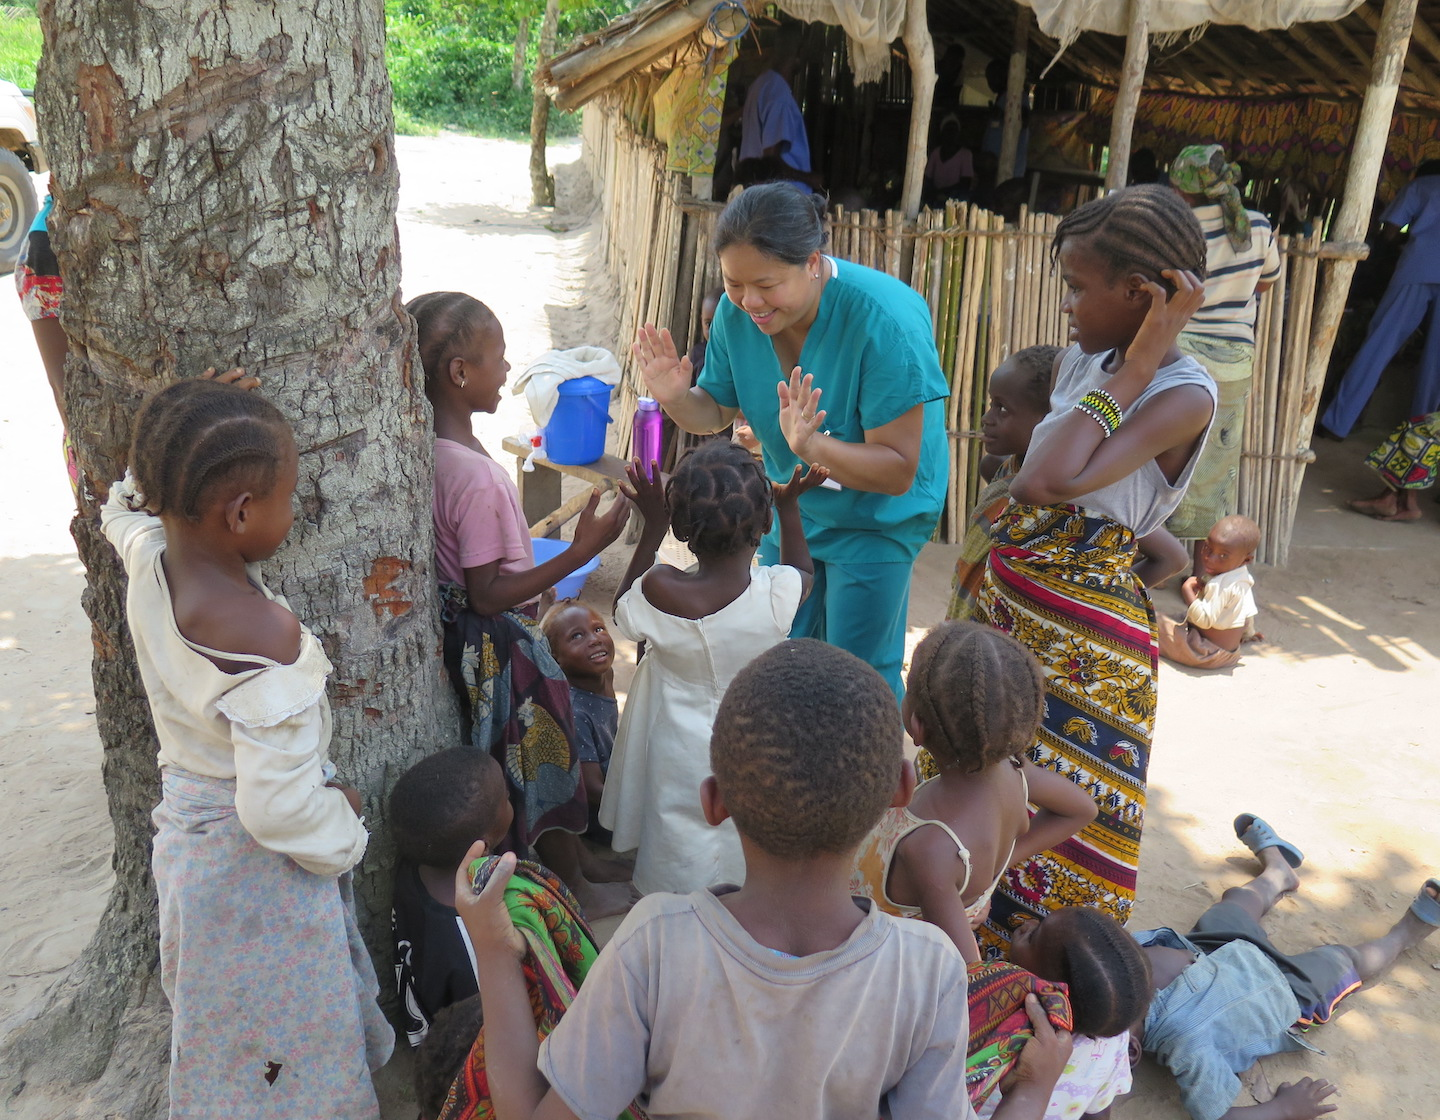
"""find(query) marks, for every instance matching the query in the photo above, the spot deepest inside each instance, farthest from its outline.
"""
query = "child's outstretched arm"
(1077, 458)
(794, 549)
(517, 1088)
(1062, 810)
(492, 591)
(646, 493)
(1304, 1100)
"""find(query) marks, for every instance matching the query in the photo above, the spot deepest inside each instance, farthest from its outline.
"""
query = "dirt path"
(1321, 730)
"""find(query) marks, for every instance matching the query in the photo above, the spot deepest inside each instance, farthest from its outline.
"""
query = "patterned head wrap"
(1201, 169)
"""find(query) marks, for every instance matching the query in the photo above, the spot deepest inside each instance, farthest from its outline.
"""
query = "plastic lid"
(647, 404)
(582, 387)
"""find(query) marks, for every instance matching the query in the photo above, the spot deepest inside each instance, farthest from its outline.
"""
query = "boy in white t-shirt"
(783, 997)
(1221, 603)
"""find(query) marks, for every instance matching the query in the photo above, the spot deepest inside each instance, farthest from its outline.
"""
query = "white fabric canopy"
(1065, 19)
(871, 25)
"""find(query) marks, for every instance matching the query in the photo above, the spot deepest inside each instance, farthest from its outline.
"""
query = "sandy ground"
(1320, 729)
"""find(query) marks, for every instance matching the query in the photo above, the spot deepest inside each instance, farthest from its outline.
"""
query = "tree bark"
(542, 183)
(1127, 94)
(517, 60)
(225, 189)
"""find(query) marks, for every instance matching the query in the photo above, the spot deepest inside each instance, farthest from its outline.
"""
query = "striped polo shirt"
(1229, 308)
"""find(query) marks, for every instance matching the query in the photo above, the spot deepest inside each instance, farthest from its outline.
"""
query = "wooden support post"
(1014, 96)
(1352, 220)
(921, 49)
(1127, 96)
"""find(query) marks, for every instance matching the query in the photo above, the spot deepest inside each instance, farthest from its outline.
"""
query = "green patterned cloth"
(1202, 169)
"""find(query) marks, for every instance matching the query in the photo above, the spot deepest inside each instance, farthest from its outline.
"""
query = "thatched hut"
(1324, 115)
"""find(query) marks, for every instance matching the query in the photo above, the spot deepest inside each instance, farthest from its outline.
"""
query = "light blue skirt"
(271, 987)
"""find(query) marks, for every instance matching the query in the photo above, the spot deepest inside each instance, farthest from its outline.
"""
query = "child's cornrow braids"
(1107, 973)
(720, 500)
(1142, 229)
(1038, 363)
(194, 435)
(446, 322)
(978, 693)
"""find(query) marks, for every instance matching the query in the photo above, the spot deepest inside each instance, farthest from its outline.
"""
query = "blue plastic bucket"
(576, 432)
(571, 586)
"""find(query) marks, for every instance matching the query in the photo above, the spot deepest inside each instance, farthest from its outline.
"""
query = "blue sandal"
(1256, 835)
(1424, 907)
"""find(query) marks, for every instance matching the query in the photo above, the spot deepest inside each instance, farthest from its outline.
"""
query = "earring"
(462, 381)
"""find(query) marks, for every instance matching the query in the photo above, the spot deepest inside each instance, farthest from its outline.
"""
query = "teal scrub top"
(871, 351)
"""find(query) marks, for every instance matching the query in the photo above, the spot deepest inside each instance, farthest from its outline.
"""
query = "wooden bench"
(541, 501)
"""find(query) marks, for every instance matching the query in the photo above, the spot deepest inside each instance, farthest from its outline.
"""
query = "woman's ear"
(456, 370)
(906, 789)
(712, 802)
(814, 263)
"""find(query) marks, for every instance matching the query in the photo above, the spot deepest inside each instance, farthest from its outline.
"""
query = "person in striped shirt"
(1243, 261)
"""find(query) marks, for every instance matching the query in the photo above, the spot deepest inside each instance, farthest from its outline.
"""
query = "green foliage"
(19, 46)
(450, 62)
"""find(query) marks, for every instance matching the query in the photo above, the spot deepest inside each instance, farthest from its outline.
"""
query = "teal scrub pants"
(862, 608)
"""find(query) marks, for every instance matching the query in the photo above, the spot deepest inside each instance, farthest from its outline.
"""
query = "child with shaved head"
(1221, 602)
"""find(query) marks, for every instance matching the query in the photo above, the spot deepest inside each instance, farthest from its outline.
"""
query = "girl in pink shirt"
(514, 699)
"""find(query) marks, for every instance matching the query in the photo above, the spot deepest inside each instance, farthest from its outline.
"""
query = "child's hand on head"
(486, 917)
(595, 532)
(646, 492)
(1304, 1100)
(788, 493)
(1167, 316)
(236, 376)
(666, 373)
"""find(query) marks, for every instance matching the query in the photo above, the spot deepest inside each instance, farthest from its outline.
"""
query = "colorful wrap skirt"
(270, 986)
(999, 1024)
(1060, 582)
(1409, 457)
(975, 547)
(559, 950)
(515, 703)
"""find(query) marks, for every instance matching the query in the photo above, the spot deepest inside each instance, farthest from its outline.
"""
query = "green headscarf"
(1201, 169)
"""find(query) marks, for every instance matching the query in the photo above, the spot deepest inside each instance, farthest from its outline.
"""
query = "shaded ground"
(1322, 730)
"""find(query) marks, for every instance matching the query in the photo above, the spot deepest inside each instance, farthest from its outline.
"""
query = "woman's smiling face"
(777, 296)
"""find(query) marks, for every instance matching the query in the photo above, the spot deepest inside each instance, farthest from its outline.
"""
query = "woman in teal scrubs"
(832, 363)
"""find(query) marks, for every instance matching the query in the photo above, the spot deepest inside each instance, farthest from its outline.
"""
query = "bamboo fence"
(991, 291)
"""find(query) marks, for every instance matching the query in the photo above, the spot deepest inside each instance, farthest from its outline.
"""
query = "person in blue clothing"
(1412, 295)
(835, 364)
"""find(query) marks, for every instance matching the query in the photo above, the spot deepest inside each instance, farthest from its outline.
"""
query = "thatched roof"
(1326, 59)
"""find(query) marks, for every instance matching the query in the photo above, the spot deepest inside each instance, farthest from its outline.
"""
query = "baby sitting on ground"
(1221, 604)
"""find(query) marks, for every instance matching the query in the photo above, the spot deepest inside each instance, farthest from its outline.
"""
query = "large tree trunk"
(542, 183)
(225, 189)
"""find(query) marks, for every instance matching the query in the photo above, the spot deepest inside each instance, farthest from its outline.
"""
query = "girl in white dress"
(700, 627)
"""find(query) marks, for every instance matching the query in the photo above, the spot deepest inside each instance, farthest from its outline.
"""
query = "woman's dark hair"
(1145, 228)
(978, 693)
(195, 436)
(720, 500)
(775, 219)
(1107, 973)
(446, 322)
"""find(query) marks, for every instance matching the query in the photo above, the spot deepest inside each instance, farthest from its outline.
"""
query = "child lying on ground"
(1019, 400)
(973, 701)
(438, 808)
(1225, 996)
(1221, 606)
(585, 652)
(810, 1003)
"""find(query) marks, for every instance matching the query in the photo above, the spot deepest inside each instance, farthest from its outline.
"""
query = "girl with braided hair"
(260, 955)
(1128, 417)
(514, 698)
(973, 700)
(700, 627)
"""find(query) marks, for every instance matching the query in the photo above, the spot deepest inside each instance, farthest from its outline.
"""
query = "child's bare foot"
(1414, 926)
(605, 869)
(605, 900)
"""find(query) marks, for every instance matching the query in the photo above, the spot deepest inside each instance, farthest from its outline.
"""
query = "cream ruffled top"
(267, 729)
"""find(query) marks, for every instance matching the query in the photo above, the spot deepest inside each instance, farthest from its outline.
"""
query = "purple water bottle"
(645, 437)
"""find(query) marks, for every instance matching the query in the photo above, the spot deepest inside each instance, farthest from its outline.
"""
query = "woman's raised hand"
(667, 374)
(595, 532)
(801, 416)
(236, 376)
(486, 917)
(1167, 316)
